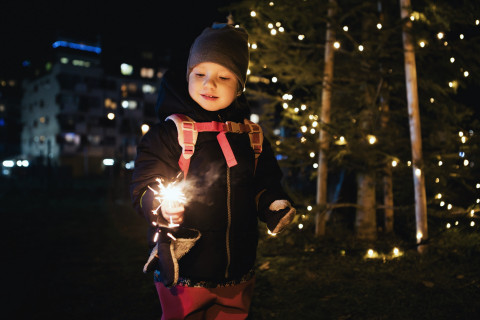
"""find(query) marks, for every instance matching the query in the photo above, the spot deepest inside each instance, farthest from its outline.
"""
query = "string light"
(418, 172)
(419, 236)
(371, 139)
(341, 141)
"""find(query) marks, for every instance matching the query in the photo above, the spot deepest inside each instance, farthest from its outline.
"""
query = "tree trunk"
(365, 222)
(414, 123)
(388, 198)
(322, 171)
(387, 177)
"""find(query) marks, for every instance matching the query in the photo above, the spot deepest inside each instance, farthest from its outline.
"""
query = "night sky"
(28, 28)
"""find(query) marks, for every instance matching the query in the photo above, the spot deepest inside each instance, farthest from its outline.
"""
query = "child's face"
(212, 86)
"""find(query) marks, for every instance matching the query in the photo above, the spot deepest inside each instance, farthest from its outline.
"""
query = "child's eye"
(224, 78)
(199, 74)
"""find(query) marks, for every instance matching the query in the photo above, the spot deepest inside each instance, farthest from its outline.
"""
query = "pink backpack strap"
(187, 137)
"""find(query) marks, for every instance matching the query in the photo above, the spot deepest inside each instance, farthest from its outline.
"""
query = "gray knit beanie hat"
(223, 44)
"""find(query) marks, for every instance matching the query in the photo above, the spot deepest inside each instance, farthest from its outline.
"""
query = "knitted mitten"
(172, 244)
(279, 214)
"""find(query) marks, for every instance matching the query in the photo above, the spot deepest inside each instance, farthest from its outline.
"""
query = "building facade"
(80, 114)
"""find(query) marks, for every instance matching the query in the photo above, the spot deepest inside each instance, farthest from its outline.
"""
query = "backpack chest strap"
(188, 133)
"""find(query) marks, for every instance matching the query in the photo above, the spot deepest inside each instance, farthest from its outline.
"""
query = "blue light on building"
(77, 46)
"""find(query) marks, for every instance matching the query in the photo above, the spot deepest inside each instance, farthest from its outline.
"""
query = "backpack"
(188, 131)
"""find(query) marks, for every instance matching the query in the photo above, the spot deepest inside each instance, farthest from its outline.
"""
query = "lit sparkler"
(169, 196)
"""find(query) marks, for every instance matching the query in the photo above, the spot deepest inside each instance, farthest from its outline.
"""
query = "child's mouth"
(209, 97)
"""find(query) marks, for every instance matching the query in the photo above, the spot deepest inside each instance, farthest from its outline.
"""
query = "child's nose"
(209, 82)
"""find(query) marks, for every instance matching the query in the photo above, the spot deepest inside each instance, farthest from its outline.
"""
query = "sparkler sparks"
(169, 196)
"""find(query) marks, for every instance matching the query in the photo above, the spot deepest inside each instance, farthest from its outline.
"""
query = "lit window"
(146, 88)
(110, 104)
(72, 138)
(81, 63)
(146, 73)
(129, 104)
(126, 69)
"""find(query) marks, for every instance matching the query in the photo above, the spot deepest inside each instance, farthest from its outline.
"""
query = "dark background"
(28, 28)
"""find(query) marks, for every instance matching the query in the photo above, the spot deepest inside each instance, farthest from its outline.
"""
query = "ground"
(76, 249)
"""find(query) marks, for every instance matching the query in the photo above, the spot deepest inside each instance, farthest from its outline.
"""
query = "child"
(204, 263)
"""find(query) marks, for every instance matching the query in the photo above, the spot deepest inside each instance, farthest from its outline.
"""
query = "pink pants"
(229, 303)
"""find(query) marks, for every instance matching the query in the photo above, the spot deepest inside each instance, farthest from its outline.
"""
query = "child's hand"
(280, 214)
(173, 214)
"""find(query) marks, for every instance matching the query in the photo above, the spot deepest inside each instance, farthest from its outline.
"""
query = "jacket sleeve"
(268, 179)
(157, 157)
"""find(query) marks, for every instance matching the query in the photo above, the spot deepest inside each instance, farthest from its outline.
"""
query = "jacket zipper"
(229, 221)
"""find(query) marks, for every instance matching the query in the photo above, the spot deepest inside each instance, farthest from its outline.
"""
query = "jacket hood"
(173, 98)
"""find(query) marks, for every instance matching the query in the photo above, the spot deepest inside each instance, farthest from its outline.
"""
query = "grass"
(76, 251)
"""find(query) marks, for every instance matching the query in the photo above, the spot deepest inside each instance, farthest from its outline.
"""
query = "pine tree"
(368, 129)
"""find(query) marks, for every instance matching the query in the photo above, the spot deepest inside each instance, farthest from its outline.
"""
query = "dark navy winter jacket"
(221, 201)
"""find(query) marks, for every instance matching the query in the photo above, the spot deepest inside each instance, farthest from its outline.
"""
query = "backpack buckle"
(233, 127)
